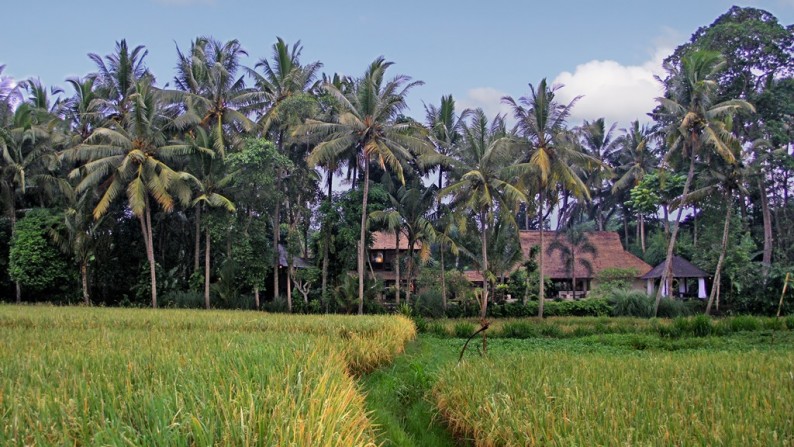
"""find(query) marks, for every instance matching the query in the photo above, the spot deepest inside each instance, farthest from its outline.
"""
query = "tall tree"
(696, 125)
(131, 157)
(634, 159)
(480, 187)
(550, 152)
(368, 121)
(574, 242)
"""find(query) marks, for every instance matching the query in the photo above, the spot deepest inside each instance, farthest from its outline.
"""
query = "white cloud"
(620, 93)
(488, 99)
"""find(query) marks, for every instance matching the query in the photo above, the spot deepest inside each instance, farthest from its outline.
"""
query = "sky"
(478, 51)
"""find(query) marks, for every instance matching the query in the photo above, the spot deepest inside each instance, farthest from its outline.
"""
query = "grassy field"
(75, 376)
(78, 376)
(603, 391)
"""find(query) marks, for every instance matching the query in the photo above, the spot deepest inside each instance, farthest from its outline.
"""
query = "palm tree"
(116, 77)
(215, 97)
(130, 157)
(445, 131)
(696, 125)
(27, 163)
(634, 159)
(598, 142)
(283, 78)
(368, 121)
(480, 187)
(576, 242)
(551, 154)
(211, 177)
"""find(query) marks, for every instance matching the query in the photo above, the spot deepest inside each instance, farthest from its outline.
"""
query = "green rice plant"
(686, 397)
(463, 329)
(743, 323)
(77, 376)
(630, 303)
(519, 329)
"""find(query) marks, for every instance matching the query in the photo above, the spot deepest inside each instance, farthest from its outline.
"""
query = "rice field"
(74, 376)
(688, 397)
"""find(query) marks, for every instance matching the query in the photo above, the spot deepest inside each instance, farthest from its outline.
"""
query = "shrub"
(34, 260)
(629, 303)
(429, 304)
(438, 329)
(519, 329)
(790, 322)
(463, 330)
(743, 323)
(184, 299)
(671, 308)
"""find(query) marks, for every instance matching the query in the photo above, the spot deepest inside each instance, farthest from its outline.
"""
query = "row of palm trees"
(119, 138)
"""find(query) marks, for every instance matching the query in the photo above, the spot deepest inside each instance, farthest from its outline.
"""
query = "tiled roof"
(610, 254)
(386, 240)
(681, 269)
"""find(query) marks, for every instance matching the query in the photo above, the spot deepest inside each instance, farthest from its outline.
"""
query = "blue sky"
(475, 50)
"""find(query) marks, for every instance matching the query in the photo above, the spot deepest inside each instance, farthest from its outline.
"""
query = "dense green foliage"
(34, 260)
(224, 185)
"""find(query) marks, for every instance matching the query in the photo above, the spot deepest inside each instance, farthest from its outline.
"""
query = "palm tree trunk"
(642, 233)
(625, 230)
(573, 271)
(207, 242)
(397, 266)
(410, 272)
(276, 236)
(766, 260)
(541, 285)
(714, 289)
(327, 241)
(484, 266)
(289, 283)
(13, 213)
(84, 278)
(362, 243)
(197, 247)
(256, 296)
(443, 279)
(150, 253)
(668, 262)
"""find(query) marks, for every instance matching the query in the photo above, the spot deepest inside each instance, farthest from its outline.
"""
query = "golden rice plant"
(679, 398)
(128, 377)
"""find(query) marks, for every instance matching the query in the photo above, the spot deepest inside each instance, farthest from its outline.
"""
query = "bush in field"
(630, 303)
(429, 304)
(34, 260)
(463, 330)
(519, 329)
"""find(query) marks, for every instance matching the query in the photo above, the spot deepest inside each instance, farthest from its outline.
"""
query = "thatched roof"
(610, 254)
(681, 269)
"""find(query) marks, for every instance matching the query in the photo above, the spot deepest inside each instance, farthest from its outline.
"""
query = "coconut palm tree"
(368, 121)
(283, 78)
(28, 163)
(599, 143)
(480, 187)
(575, 242)
(131, 157)
(634, 159)
(696, 125)
(445, 127)
(550, 152)
(116, 77)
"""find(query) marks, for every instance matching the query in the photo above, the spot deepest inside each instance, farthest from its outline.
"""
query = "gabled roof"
(297, 261)
(386, 240)
(610, 254)
(681, 269)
